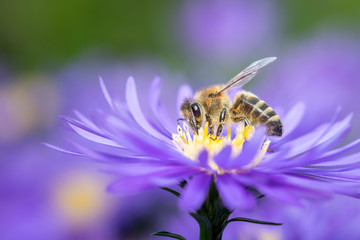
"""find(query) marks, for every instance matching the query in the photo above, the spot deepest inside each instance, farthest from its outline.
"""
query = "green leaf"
(240, 219)
(171, 191)
(169, 234)
(205, 226)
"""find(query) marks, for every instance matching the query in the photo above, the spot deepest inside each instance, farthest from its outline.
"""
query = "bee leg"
(246, 122)
(211, 127)
(221, 124)
(180, 119)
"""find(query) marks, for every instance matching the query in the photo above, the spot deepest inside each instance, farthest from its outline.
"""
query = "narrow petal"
(157, 109)
(233, 194)
(312, 139)
(337, 152)
(106, 93)
(134, 184)
(184, 92)
(290, 122)
(195, 192)
(91, 134)
(86, 121)
(349, 160)
(288, 189)
(337, 128)
(145, 146)
(293, 118)
(61, 149)
(329, 143)
(134, 107)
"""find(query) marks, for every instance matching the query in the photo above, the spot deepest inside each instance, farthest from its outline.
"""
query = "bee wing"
(247, 74)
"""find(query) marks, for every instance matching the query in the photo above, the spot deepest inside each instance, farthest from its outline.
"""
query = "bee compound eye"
(195, 108)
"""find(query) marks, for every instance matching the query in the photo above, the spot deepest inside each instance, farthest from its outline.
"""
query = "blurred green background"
(39, 35)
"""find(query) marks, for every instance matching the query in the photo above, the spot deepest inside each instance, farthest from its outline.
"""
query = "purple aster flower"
(147, 151)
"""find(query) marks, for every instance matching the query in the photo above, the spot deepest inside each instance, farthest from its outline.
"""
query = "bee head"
(193, 113)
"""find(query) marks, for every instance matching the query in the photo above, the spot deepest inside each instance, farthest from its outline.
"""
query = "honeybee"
(214, 106)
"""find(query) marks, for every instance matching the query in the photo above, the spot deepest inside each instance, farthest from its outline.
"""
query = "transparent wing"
(247, 74)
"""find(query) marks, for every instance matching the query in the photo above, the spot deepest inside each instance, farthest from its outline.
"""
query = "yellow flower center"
(191, 146)
(79, 197)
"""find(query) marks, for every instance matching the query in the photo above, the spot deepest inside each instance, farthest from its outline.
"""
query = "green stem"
(212, 216)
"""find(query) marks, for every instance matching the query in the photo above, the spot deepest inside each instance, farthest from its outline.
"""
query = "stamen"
(186, 129)
(249, 132)
(179, 130)
(191, 146)
(181, 134)
(184, 140)
(229, 133)
(259, 155)
(206, 130)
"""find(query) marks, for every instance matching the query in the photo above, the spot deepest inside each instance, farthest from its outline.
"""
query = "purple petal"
(134, 107)
(150, 168)
(149, 146)
(330, 125)
(163, 177)
(329, 143)
(293, 118)
(290, 122)
(203, 159)
(184, 92)
(250, 149)
(311, 140)
(62, 149)
(90, 134)
(337, 129)
(233, 194)
(157, 109)
(86, 121)
(334, 153)
(106, 93)
(195, 192)
(223, 158)
(341, 162)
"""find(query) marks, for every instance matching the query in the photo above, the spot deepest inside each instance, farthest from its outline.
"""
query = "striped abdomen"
(256, 111)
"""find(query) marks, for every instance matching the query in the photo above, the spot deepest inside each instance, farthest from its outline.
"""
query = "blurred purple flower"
(227, 29)
(335, 219)
(26, 106)
(323, 72)
(145, 154)
(46, 196)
